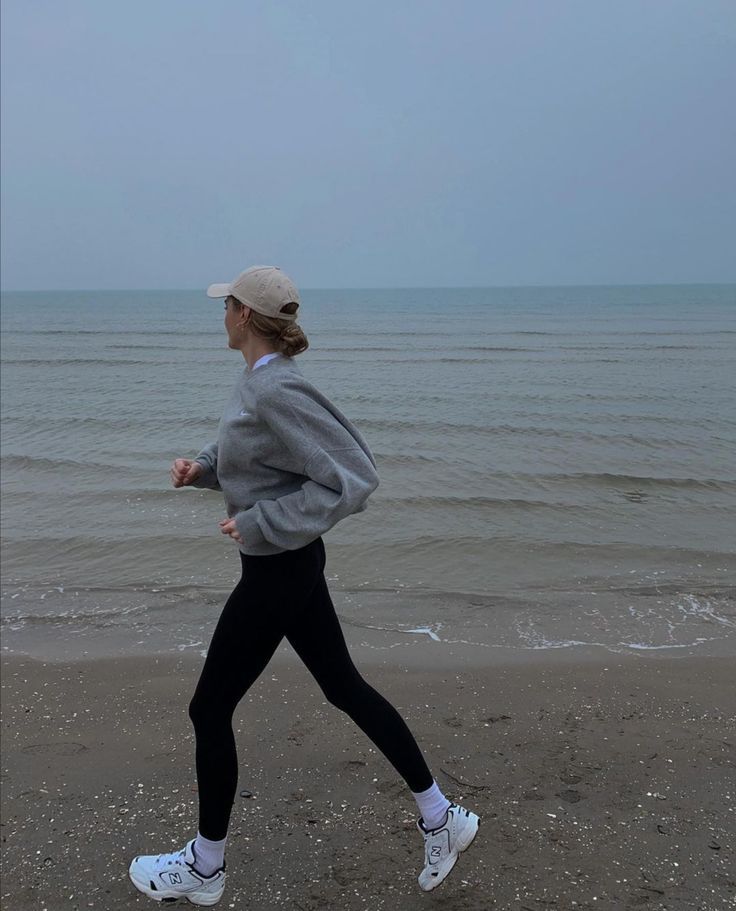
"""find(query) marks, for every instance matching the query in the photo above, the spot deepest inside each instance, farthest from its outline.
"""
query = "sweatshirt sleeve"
(208, 460)
(340, 474)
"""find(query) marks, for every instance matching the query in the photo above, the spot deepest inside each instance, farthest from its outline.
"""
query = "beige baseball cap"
(263, 288)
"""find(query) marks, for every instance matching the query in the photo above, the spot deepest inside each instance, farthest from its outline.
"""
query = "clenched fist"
(227, 527)
(185, 471)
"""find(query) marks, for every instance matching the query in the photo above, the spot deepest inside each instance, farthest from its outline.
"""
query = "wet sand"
(602, 784)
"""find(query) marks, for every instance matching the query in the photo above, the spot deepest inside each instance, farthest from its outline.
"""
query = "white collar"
(265, 359)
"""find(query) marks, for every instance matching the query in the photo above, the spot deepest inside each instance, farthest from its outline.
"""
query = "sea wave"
(604, 480)
(76, 362)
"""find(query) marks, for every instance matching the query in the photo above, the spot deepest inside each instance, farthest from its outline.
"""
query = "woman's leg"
(272, 593)
(317, 637)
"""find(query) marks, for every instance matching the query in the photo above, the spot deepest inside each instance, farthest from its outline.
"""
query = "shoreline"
(601, 784)
(413, 654)
(396, 624)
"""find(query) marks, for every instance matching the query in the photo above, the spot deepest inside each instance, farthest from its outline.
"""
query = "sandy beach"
(602, 784)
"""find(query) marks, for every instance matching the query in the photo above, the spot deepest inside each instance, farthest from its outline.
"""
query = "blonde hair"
(287, 337)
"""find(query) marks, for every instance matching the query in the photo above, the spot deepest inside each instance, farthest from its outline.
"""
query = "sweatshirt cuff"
(208, 479)
(247, 524)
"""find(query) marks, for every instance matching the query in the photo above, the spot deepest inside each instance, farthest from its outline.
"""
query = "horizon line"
(398, 287)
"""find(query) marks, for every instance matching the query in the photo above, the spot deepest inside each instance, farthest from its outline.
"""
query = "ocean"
(557, 467)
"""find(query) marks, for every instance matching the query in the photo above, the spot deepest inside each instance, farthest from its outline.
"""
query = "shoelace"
(175, 856)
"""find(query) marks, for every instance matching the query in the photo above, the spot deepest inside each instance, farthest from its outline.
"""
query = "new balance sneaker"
(166, 877)
(443, 844)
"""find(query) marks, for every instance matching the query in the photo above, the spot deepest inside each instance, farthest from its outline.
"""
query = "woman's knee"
(205, 712)
(348, 695)
(197, 710)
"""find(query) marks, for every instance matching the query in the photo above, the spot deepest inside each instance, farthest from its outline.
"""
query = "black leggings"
(283, 595)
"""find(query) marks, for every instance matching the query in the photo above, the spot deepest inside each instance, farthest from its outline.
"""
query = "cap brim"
(219, 290)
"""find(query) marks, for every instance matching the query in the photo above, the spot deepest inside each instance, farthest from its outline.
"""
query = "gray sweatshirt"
(289, 463)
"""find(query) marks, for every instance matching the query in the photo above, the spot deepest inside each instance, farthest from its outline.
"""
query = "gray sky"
(170, 144)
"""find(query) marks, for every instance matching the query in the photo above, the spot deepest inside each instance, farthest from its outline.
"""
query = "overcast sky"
(173, 143)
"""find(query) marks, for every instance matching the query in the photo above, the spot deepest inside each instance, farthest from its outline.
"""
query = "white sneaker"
(443, 844)
(166, 877)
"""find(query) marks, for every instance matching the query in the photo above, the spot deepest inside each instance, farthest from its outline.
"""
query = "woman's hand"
(227, 527)
(184, 472)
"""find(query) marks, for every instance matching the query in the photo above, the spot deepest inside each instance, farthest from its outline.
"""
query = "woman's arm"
(340, 482)
(207, 458)
(340, 469)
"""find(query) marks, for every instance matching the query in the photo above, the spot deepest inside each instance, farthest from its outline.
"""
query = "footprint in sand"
(59, 748)
(569, 778)
(354, 765)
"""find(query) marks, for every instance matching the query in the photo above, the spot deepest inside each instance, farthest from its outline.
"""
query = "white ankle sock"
(432, 805)
(208, 855)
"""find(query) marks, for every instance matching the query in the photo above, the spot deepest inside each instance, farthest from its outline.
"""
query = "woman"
(290, 466)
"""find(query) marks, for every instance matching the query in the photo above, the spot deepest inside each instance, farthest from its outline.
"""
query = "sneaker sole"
(445, 868)
(194, 897)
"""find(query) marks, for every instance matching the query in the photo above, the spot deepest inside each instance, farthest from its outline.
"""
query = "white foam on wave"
(702, 610)
(424, 629)
(641, 646)
(184, 645)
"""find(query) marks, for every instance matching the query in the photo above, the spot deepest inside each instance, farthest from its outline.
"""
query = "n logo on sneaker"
(175, 879)
(435, 852)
